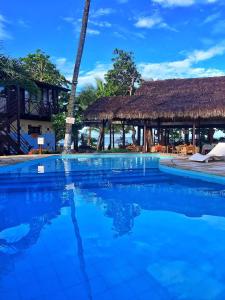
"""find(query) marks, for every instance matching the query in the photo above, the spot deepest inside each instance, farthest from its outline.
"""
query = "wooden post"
(186, 135)
(210, 135)
(193, 134)
(100, 144)
(124, 136)
(113, 136)
(139, 136)
(145, 139)
(148, 139)
(158, 132)
(110, 136)
(134, 141)
(103, 136)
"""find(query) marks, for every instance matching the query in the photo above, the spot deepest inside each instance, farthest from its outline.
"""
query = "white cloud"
(88, 78)
(85, 77)
(212, 18)
(93, 31)
(23, 23)
(148, 22)
(183, 68)
(102, 12)
(126, 34)
(4, 34)
(154, 21)
(77, 26)
(100, 23)
(219, 27)
(171, 3)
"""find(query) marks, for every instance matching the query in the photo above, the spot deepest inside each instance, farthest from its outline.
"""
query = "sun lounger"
(218, 152)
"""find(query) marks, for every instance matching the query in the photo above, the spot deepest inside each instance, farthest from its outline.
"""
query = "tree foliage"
(105, 89)
(12, 72)
(86, 97)
(124, 75)
(40, 68)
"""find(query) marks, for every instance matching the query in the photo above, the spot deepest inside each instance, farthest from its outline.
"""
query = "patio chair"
(182, 150)
(217, 153)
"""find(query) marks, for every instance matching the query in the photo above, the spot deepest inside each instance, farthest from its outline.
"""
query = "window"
(50, 96)
(34, 129)
(45, 96)
(3, 100)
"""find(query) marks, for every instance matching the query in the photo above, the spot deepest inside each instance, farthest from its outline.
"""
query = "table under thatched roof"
(165, 99)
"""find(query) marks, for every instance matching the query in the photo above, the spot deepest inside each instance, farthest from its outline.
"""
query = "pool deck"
(14, 159)
(182, 163)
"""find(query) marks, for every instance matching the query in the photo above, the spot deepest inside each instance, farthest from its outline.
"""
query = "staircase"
(10, 141)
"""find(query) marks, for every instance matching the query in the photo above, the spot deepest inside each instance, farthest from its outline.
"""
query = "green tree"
(105, 89)
(86, 97)
(40, 68)
(12, 72)
(59, 123)
(124, 75)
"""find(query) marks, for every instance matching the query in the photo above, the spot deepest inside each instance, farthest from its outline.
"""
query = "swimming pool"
(109, 227)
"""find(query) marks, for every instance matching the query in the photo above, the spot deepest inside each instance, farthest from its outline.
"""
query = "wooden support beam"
(113, 136)
(139, 136)
(124, 136)
(193, 134)
(110, 137)
(210, 135)
(186, 135)
(158, 132)
(103, 136)
(145, 139)
(149, 140)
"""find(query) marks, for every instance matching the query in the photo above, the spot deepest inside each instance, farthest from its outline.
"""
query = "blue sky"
(170, 38)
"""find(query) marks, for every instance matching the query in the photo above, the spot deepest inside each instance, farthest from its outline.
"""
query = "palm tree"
(72, 99)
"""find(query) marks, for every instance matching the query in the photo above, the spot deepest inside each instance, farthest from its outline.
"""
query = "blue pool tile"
(98, 285)
(78, 292)
(10, 295)
(103, 296)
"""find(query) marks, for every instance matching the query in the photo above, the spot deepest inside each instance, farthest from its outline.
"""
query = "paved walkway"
(214, 167)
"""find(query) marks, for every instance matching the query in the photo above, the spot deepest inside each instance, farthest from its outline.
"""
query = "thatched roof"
(165, 99)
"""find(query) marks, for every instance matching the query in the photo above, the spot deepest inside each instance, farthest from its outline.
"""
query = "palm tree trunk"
(71, 104)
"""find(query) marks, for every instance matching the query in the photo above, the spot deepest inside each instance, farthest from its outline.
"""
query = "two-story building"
(25, 117)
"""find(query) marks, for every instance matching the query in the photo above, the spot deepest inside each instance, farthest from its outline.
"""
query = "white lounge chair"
(218, 152)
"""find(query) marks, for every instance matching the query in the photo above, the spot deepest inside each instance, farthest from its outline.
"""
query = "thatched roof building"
(172, 99)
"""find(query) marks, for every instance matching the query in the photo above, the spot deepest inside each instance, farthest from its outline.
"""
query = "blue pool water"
(106, 228)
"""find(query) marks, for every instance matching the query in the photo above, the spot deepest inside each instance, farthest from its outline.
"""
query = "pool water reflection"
(109, 228)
